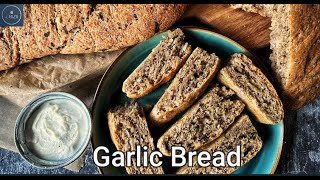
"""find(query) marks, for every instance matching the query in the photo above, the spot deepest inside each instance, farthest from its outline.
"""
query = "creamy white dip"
(57, 129)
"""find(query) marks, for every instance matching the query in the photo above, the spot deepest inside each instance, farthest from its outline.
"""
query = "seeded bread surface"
(82, 28)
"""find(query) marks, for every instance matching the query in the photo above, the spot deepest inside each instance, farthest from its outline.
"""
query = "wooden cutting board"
(249, 29)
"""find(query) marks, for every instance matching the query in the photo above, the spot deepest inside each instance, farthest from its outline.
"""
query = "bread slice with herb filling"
(241, 133)
(203, 122)
(128, 129)
(252, 86)
(160, 65)
(189, 83)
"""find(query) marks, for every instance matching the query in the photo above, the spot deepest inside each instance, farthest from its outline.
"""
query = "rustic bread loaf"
(203, 122)
(295, 41)
(251, 85)
(82, 28)
(242, 133)
(128, 129)
(188, 84)
(159, 67)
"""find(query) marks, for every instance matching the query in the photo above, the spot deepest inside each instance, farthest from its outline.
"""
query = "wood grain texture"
(249, 29)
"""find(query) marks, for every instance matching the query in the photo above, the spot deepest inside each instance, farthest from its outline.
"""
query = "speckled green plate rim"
(204, 30)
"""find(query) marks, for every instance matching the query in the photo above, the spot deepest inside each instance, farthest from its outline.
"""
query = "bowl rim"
(20, 120)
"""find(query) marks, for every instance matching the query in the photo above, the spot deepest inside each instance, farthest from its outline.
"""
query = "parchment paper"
(75, 74)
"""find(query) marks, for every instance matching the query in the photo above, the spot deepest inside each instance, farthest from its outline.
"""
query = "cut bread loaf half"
(203, 122)
(188, 84)
(251, 85)
(128, 129)
(159, 67)
(295, 42)
(241, 133)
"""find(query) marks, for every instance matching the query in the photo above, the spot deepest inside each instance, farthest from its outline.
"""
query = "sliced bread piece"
(203, 122)
(189, 83)
(159, 67)
(295, 42)
(242, 133)
(128, 129)
(251, 85)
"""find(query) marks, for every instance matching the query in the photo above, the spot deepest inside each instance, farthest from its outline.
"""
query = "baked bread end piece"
(128, 129)
(253, 88)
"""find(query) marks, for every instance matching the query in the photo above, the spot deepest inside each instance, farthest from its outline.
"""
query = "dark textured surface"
(301, 148)
(12, 163)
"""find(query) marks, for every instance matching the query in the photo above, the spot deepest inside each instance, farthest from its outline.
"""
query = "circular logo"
(11, 14)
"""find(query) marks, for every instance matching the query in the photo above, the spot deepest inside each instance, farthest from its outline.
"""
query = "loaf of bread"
(128, 129)
(82, 28)
(251, 85)
(242, 133)
(159, 67)
(188, 84)
(295, 42)
(203, 122)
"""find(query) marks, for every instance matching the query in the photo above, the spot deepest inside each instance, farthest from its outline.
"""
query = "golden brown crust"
(304, 68)
(296, 100)
(50, 29)
(112, 128)
(304, 23)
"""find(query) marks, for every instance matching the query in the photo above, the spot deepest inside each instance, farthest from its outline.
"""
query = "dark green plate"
(109, 93)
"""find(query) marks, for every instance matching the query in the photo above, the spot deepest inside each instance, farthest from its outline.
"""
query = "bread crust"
(304, 58)
(84, 28)
(112, 128)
